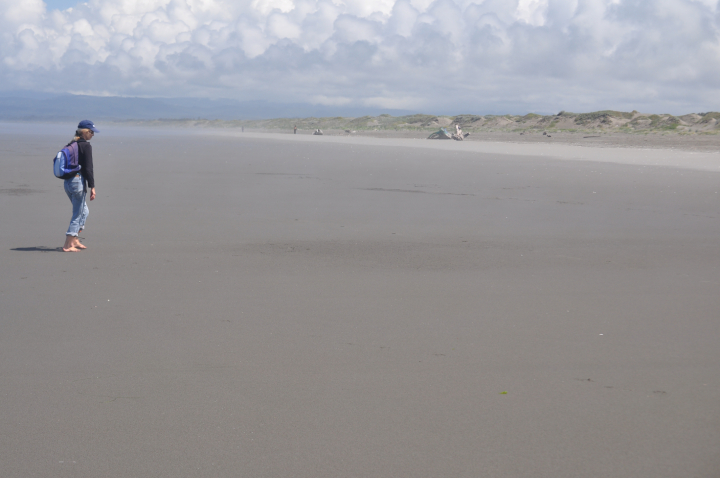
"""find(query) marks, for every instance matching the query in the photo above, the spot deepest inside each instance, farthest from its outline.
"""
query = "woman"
(76, 187)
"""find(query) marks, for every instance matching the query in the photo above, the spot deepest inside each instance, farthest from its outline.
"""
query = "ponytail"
(78, 134)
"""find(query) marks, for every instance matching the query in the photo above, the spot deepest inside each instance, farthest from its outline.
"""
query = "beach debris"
(503, 393)
(318, 132)
(442, 133)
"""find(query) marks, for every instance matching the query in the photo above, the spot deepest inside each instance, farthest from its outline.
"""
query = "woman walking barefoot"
(77, 186)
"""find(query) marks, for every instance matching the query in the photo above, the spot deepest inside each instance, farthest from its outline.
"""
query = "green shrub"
(419, 118)
(465, 119)
(604, 116)
(363, 120)
(707, 117)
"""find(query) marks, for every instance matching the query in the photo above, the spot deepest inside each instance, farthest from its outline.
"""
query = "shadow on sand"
(37, 249)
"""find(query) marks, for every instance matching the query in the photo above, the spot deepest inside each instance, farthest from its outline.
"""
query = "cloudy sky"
(435, 56)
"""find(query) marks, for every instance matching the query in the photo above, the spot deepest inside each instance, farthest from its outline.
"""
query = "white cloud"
(532, 11)
(396, 102)
(328, 101)
(281, 26)
(470, 55)
(267, 6)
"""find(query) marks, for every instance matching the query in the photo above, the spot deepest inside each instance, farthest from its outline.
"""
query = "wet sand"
(259, 306)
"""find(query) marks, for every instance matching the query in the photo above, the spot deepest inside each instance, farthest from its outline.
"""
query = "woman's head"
(85, 130)
(87, 124)
(83, 133)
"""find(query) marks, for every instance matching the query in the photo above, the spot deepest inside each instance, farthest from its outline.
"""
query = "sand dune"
(600, 121)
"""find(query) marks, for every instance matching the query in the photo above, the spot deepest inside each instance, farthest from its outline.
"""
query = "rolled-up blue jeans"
(76, 192)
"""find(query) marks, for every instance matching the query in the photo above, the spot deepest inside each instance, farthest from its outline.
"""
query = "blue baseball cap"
(87, 124)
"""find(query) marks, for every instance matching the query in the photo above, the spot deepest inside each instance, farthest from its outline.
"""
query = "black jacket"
(86, 161)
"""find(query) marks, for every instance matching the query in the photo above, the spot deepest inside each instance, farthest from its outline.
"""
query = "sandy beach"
(273, 305)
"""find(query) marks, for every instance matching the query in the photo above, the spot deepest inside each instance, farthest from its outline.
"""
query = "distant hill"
(43, 107)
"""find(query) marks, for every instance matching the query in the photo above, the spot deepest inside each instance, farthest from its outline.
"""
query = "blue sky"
(60, 4)
(437, 56)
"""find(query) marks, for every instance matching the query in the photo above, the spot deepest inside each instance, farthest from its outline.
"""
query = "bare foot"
(72, 244)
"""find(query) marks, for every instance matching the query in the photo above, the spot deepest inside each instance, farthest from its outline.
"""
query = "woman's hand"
(92, 194)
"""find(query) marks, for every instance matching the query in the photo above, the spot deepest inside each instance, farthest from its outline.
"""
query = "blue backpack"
(65, 164)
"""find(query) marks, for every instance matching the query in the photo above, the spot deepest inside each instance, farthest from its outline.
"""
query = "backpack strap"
(76, 151)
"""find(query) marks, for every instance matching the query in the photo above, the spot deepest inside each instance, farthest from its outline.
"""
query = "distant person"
(295, 129)
(459, 136)
(242, 129)
(76, 187)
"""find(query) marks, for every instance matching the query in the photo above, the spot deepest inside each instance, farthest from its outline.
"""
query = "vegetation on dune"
(604, 116)
(530, 116)
(708, 117)
(467, 119)
(597, 121)
(415, 119)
